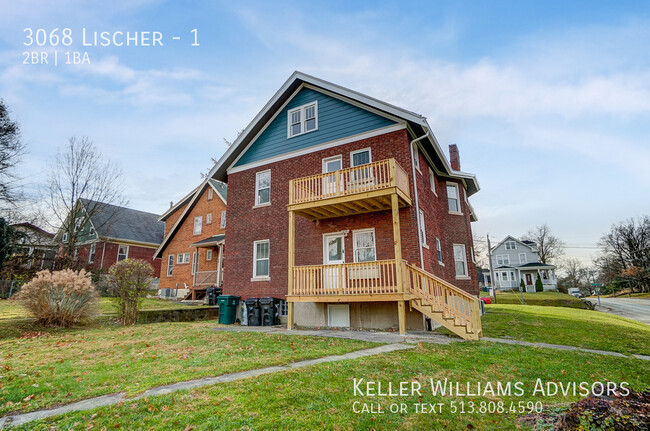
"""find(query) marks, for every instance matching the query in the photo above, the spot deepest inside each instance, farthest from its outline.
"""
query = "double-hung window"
(183, 258)
(452, 198)
(522, 258)
(122, 252)
(208, 218)
(432, 181)
(511, 245)
(91, 254)
(261, 256)
(170, 265)
(223, 219)
(503, 259)
(364, 245)
(439, 250)
(302, 119)
(210, 194)
(263, 187)
(460, 260)
(423, 229)
(198, 221)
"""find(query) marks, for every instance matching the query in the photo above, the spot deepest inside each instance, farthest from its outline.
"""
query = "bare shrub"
(60, 298)
(130, 278)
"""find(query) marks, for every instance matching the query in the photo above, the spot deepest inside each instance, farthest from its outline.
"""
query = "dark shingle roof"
(528, 242)
(126, 223)
(536, 265)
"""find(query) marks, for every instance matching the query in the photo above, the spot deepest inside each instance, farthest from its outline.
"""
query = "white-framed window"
(360, 157)
(416, 158)
(364, 245)
(432, 181)
(503, 259)
(208, 218)
(261, 258)
(223, 219)
(91, 253)
(460, 260)
(65, 236)
(122, 252)
(439, 250)
(283, 310)
(522, 258)
(471, 253)
(263, 187)
(183, 258)
(504, 276)
(208, 255)
(511, 245)
(198, 221)
(77, 224)
(210, 194)
(170, 265)
(452, 198)
(302, 119)
(423, 229)
(91, 231)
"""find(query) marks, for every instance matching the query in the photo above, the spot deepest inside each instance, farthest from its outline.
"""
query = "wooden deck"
(350, 191)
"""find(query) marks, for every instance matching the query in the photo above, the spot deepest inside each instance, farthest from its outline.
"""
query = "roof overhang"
(213, 241)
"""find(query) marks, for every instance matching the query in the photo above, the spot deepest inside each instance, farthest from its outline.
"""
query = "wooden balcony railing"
(442, 297)
(206, 278)
(370, 177)
(363, 278)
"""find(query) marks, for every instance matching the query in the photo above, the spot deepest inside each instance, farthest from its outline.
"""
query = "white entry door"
(331, 164)
(333, 253)
(338, 315)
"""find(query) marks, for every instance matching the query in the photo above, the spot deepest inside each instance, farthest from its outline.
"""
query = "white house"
(514, 260)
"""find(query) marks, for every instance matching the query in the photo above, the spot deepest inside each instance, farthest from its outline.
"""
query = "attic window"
(302, 119)
(511, 245)
(209, 194)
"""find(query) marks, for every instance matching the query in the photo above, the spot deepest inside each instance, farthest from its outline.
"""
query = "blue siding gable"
(336, 120)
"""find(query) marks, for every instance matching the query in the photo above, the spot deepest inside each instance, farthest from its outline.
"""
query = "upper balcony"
(356, 190)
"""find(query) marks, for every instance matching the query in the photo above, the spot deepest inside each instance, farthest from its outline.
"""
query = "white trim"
(91, 252)
(326, 160)
(185, 199)
(432, 181)
(525, 258)
(217, 191)
(208, 255)
(208, 218)
(210, 194)
(331, 307)
(439, 251)
(222, 221)
(195, 262)
(255, 276)
(354, 242)
(303, 119)
(257, 190)
(199, 225)
(182, 258)
(316, 148)
(326, 252)
(170, 258)
(416, 158)
(422, 229)
(352, 153)
(466, 276)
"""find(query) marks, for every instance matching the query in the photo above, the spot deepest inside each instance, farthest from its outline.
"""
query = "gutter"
(417, 202)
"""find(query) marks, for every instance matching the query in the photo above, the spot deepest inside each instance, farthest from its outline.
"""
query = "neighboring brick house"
(346, 207)
(192, 251)
(514, 261)
(106, 234)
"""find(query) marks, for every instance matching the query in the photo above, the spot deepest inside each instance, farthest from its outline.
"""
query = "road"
(632, 308)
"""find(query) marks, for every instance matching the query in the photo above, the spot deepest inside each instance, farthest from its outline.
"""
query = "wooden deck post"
(401, 314)
(397, 238)
(292, 258)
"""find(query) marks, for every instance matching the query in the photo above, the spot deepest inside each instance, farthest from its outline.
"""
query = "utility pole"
(494, 289)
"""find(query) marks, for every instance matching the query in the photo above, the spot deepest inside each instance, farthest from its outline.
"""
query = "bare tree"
(80, 183)
(11, 150)
(625, 253)
(549, 246)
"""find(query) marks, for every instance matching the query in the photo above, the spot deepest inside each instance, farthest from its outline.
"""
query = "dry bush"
(60, 298)
(130, 279)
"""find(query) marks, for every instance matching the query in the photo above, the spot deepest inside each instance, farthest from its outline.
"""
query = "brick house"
(192, 251)
(105, 234)
(347, 208)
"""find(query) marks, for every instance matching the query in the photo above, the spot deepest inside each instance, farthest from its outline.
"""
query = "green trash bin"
(227, 308)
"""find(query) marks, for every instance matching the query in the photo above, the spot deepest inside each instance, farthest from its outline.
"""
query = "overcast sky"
(549, 103)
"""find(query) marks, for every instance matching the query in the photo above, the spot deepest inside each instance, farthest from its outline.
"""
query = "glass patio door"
(331, 164)
(333, 253)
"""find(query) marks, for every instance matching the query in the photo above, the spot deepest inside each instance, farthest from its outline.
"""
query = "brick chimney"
(454, 157)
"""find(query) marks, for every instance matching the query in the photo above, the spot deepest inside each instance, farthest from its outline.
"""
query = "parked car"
(486, 299)
(574, 291)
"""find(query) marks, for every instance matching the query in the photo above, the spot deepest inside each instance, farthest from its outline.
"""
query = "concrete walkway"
(107, 400)
(562, 347)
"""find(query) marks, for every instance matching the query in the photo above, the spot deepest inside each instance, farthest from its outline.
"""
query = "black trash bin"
(253, 312)
(227, 309)
(212, 293)
(270, 311)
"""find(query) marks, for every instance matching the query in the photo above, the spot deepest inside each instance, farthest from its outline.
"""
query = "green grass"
(11, 309)
(322, 396)
(551, 299)
(573, 327)
(67, 365)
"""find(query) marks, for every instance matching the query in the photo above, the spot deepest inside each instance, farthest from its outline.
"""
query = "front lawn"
(323, 396)
(62, 366)
(560, 325)
(550, 299)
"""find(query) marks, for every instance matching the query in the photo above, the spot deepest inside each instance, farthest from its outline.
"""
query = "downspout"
(417, 203)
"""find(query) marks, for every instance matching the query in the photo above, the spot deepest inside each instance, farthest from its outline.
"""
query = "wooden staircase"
(443, 302)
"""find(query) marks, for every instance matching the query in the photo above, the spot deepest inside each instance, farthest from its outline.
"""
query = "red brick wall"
(106, 255)
(449, 228)
(247, 224)
(184, 236)
(171, 219)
